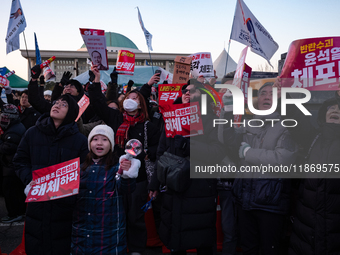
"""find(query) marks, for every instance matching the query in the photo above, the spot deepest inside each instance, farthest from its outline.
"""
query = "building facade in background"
(76, 61)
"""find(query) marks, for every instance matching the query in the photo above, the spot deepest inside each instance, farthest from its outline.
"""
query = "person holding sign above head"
(99, 216)
(188, 213)
(65, 86)
(54, 139)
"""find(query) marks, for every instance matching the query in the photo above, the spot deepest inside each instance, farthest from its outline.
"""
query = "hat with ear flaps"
(73, 109)
(324, 108)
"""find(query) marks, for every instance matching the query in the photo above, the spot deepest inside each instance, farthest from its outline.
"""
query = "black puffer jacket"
(188, 219)
(316, 227)
(9, 142)
(48, 224)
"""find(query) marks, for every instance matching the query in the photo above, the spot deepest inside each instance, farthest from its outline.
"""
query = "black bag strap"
(146, 136)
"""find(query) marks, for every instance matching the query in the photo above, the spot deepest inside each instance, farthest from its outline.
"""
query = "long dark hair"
(109, 160)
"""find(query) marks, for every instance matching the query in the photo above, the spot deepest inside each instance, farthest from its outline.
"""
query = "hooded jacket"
(48, 224)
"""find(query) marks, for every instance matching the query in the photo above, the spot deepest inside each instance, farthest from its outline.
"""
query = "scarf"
(122, 132)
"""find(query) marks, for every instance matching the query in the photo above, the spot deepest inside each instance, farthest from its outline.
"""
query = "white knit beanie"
(48, 93)
(102, 130)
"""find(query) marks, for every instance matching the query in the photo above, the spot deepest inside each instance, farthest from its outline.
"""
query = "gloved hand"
(133, 170)
(42, 80)
(65, 78)
(8, 90)
(181, 142)
(243, 149)
(130, 83)
(114, 76)
(35, 72)
(91, 79)
(28, 187)
(227, 99)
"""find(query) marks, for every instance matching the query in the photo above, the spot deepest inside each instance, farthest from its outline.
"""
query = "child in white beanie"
(99, 217)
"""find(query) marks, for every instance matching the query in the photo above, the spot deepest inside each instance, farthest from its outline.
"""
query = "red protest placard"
(182, 119)
(57, 181)
(3, 81)
(125, 62)
(168, 93)
(313, 64)
(83, 103)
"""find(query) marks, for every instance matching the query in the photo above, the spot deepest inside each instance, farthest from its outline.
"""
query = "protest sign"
(83, 103)
(125, 62)
(181, 70)
(313, 64)
(3, 81)
(182, 119)
(54, 182)
(202, 65)
(95, 42)
(168, 93)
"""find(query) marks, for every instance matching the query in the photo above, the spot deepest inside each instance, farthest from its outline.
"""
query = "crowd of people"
(258, 215)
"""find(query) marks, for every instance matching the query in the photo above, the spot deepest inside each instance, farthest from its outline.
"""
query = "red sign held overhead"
(83, 103)
(125, 62)
(313, 64)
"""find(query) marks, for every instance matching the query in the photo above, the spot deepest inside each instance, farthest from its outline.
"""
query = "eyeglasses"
(60, 104)
(193, 90)
(71, 85)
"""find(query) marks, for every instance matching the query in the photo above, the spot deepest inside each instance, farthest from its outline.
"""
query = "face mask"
(130, 105)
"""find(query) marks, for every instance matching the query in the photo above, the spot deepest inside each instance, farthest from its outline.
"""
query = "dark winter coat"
(99, 217)
(188, 219)
(114, 118)
(269, 145)
(48, 224)
(316, 227)
(29, 117)
(9, 142)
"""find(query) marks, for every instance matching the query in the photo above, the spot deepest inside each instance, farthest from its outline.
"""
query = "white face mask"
(130, 105)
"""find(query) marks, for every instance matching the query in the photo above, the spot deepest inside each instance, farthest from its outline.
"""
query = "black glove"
(35, 72)
(130, 83)
(66, 77)
(114, 76)
(181, 142)
(91, 79)
(42, 80)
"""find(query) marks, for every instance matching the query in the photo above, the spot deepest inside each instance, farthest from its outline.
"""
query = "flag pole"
(226, 64)
(29, 62)
(151, 62)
